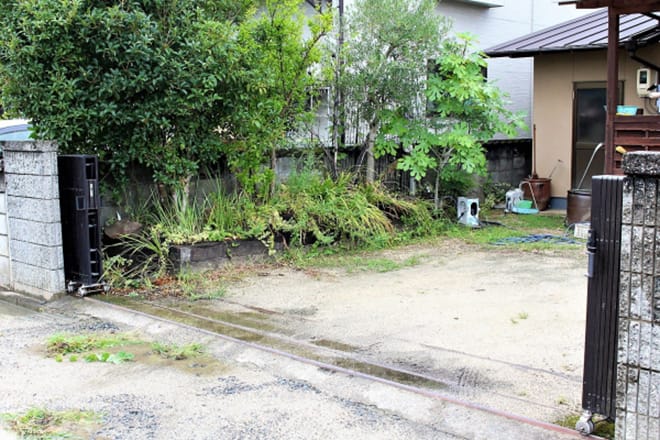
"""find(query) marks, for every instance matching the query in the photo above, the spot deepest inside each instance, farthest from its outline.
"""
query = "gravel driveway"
(505, 325)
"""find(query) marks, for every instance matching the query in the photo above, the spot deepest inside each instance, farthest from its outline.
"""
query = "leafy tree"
(387, 47)
(466, 111)
(137, 80)
(281, 64)
(170, 84)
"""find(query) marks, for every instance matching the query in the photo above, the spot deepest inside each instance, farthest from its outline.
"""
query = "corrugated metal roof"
(635, 5)
(583, 33)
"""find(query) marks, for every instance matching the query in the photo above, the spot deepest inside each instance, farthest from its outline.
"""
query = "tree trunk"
(370, 174)
(273, 166)
(337, 110)
(436, 191)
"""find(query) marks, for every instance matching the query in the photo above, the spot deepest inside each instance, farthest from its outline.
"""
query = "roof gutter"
(532, 53)
(633, 44)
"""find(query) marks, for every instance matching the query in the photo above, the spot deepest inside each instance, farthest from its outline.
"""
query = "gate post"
(638, 360)
(33, 214)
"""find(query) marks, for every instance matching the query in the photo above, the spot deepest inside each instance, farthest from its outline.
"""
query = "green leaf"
(120, 357)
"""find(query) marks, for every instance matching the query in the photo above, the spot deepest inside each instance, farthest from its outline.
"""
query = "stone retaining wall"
(36, 264)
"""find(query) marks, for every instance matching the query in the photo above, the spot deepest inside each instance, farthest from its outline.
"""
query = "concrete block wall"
(5, 268)
(33, 219)
(638, 361)
(509, 161)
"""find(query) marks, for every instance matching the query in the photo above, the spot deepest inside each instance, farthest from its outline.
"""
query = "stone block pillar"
(5, 268)
(33, 217)
(638, 363)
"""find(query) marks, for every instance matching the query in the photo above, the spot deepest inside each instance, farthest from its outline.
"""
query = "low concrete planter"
(210, 255)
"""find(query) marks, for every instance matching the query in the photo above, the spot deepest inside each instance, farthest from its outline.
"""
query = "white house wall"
(495, 25)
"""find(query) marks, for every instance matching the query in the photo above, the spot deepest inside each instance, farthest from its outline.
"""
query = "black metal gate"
(81, 232)
(600, 354)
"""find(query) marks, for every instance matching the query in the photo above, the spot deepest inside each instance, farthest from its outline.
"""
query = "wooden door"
(588, 131)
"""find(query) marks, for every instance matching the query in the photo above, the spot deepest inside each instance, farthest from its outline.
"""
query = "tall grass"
(321, 210)
(236, 216)
(181, 218)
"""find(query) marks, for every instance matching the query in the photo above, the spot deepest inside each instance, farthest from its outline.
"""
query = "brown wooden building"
(577, 79)
(636, 132)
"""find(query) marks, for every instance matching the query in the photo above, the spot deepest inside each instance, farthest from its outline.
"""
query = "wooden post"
(612, 87)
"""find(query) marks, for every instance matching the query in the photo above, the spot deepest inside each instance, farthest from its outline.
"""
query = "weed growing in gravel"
(519, 317)
(176, 352)
(112, 358)
(42, 424)
(62, 346)
(197, 285)
(106, 348)
(64, 343)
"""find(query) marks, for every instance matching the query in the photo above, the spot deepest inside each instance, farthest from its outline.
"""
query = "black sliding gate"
(600, 351)
(81, 231)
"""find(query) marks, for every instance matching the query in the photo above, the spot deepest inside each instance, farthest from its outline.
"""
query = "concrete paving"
(246, 394)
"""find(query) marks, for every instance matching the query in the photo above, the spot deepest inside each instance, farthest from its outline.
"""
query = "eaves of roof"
(587, 32)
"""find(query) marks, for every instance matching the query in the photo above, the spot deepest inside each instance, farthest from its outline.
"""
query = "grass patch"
(499, 226)
(351, 262)
(42, 424)
(176, 352)
(602, 428)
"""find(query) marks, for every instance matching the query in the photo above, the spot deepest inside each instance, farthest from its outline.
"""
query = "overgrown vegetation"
(309, 209)
(43, 424)
(198, 86)
(315, 218)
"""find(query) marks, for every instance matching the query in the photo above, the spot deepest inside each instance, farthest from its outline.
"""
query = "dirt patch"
(502, 326)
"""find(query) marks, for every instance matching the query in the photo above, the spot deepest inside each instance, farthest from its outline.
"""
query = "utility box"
(467, 211)
(81, 231)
